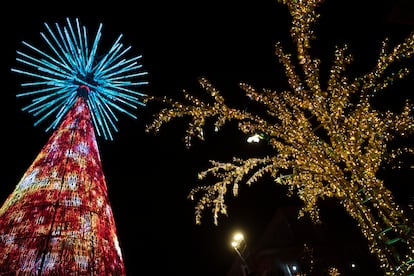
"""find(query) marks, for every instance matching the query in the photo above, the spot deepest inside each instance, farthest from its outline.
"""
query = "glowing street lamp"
(239, 245)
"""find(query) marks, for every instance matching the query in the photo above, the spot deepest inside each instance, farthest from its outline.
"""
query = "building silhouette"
(292, 246)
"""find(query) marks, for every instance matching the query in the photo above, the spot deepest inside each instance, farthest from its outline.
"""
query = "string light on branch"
(326, 140)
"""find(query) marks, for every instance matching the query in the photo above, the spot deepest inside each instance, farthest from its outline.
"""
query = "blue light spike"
(110, 56)
(63, 63)
(56, 75)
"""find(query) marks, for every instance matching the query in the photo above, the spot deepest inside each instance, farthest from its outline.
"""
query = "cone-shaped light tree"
(326, 140)
(58, 220)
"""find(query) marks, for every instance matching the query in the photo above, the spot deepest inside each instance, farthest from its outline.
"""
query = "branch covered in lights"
(332, 140)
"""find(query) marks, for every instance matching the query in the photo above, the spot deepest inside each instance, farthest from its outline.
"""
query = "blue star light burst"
(73, 69)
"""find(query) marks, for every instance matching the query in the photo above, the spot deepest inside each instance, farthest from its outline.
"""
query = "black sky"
(149, 176)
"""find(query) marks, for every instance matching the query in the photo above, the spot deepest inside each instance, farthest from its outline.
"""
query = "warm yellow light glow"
(327, 138)
(238, 238)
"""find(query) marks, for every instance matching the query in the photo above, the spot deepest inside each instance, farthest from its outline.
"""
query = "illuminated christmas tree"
(325, 140)
(58, 220)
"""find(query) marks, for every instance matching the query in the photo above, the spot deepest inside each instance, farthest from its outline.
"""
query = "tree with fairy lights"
(327, 141)
(58, 220)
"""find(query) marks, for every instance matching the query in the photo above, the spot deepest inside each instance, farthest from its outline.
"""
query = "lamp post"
(239, 245)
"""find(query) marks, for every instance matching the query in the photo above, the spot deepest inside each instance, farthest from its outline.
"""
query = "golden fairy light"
(331, 139)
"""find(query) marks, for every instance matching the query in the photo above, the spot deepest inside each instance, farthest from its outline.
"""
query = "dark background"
(149, 176)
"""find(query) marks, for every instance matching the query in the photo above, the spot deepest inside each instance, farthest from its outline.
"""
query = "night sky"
(149, 176)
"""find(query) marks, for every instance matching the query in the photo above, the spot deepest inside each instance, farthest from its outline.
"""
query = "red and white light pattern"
(58, 220)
